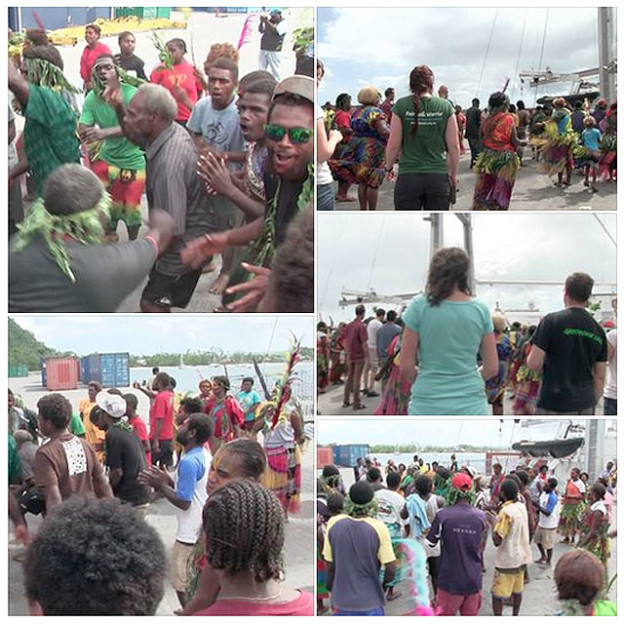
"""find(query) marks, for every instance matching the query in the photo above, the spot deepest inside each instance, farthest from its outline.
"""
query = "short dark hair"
(262, 86)
(95, 27)
(244, 526)
(290, 99)
(388, 91)
(162, 378)
(249, 379)
(255, 76)
(360, 309)
(71, 188)
(155, 370)
(254, 461)
(180, 43)
(392, 480)
(374, 474)
(202, 425)
(228, 64)
(510, 489)
(56, 409)
(579, 286)
(380, 312)
(553, 482)
(391, 316)
(423, 484)
(192, 405)
(221, 380)
(579, 575)
(124, 34)
(95, 557)
(523, 475)
(476, 102)
(599, 490)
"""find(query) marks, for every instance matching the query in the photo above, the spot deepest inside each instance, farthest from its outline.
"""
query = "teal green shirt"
(76, 426)
(50, 138)
(426, 153)
(449, 338)
(117, 151)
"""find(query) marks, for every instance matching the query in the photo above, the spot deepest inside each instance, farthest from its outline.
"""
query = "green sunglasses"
(296, 135)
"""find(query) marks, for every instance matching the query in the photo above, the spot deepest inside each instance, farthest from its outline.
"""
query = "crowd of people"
(95, 473)
(242, 186)
(426, 134)
(448, 354)
(424, 530)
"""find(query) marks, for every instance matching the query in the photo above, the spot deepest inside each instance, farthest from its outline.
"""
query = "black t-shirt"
(271, 40)
(131, 63)
(124, 450)
(473, 123)
(573, 342)
(287, 200)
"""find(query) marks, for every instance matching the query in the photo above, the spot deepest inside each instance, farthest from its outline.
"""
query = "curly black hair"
(56, 409)
(95, 557)
(253, 458)
(449, 268)
(244, 526)
(202, 425)
(192, 405)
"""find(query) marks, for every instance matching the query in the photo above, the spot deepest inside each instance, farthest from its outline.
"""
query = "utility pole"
(437, 232)
(466, 222)
(606, 52)
(595, 431)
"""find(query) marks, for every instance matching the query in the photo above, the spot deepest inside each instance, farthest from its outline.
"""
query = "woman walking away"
(572, 507)
(365, 163)
(244, 527)
(560, 142)
(342, 123)
(445, 328)
(594, 526)
(498, 162)
(424, 131)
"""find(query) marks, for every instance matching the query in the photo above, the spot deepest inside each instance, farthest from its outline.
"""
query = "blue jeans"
(610, 407)
(325, 197)
(377, 611)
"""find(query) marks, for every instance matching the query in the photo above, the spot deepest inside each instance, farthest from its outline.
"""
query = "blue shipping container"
(44, 374)
(348, 454)
(59, 17)
(90, 368)
(115, 370)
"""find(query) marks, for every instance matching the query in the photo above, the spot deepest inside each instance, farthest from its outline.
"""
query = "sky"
(391, 255)
(381, 46)
(442, 431)
(173, 334)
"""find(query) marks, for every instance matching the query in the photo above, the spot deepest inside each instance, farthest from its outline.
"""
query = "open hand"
(198, 250)
(213, 170)
(255, 288)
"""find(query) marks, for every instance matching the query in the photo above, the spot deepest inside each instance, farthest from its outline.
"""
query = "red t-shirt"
(141, 431)
(183, 76)
(162, 409)
(88, 58)
(356, 336)
(303, 605)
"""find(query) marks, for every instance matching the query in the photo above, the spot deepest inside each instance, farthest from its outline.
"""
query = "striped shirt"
(173, 186)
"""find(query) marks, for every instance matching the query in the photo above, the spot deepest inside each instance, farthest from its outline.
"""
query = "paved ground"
(330, 404)
(533, 191)
(299, 550)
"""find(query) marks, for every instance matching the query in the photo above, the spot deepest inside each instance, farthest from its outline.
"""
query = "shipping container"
(60, 373)
(18, 370)
(58, 17)
(90, 368)
(144, 12)
(115, 370)
(324, 456)
(348, 454)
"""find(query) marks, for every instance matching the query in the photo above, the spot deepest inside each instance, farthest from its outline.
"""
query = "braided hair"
(420, 81)
(244, 526)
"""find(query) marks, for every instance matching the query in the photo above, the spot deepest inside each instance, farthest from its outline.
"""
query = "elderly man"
(173, 186)
(56, 261)
(289, 185)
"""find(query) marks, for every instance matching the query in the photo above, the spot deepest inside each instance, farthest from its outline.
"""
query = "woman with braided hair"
(424, 138)
(244, 528)
(497, 164)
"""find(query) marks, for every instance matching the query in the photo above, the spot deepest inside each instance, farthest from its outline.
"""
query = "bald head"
(71, 188)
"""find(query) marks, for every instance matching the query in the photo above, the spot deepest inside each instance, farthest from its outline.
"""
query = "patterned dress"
(572, 508)
(599, 544)
(322, 360)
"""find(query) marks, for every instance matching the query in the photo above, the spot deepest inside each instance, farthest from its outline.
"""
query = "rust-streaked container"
(324, 456)
(60, 373)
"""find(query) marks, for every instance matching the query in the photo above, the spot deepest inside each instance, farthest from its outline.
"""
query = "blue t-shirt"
(591, 139)
(191, 470)
(449, 338)
(248, 401)
(460, 528)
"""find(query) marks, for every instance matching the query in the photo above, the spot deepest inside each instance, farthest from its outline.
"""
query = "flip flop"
(359, 406)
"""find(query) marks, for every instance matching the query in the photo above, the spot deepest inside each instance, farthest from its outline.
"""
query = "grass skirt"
(496, 176)
(283, 476)
(570, 518)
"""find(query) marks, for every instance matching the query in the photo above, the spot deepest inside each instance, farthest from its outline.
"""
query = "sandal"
(359, 406)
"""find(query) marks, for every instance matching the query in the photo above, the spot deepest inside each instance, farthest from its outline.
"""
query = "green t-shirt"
(76, 426)
(117, 151)
(15, 464)
(427, 152)
(50, 138)
(449, 338)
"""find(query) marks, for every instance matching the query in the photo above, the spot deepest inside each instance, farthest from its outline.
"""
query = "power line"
(487, 51)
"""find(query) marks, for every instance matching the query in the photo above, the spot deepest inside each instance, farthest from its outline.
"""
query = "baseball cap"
(112, 404)
(299, 85)
(461, 481)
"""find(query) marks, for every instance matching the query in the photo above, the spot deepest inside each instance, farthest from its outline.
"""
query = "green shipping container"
(144, 12)
(18, 370)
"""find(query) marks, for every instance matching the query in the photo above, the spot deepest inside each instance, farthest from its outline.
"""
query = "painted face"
(290, 160)
(127, 45)
(138, 125)
(220, 87)
(176, 52)
(91, 36)
(225, 467)
(253, 111)
(105, 70)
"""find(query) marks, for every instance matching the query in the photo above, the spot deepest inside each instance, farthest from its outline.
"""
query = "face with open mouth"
(220, 86)
(290, 160)
(253, 111)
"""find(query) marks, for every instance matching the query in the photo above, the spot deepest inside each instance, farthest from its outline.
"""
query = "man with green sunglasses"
(289, 184)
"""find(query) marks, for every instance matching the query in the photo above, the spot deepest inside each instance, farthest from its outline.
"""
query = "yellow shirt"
(93, 434)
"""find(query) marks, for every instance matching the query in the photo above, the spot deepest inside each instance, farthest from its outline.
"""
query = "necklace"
(255, 599)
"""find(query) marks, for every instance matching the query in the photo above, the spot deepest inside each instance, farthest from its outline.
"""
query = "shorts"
(422, 191)
(180, 554)
(171, 290)
(450, 604)
(545, 537)
(377, 611)
(373, 359)
(165, 455)
(126, 188)
(507, 583)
